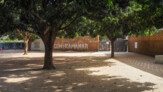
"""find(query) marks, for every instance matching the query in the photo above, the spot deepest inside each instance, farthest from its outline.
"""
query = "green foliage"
(15, 35)
(82, 27)
(33, 37)
(8, 39)
(72, 18)
(35, 16)
(149, 18)
(119, 21)
(6, 18)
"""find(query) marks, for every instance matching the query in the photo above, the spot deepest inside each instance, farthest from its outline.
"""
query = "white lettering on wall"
(71, 46)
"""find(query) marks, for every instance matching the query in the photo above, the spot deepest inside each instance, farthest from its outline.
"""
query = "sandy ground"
(79, 72)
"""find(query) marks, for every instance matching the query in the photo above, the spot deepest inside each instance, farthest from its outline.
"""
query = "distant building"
(37, 45)
(150, 45)
(82, 43)
(85, 43)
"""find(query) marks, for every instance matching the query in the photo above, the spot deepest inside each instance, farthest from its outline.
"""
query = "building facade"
(81, 43)
(150, 45)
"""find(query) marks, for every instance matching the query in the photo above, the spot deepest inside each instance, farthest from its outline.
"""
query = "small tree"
(22, 35)
(25, 36)
(28, 38)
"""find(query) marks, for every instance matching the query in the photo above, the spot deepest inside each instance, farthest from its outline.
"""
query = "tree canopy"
(6, 18)
(46, 18)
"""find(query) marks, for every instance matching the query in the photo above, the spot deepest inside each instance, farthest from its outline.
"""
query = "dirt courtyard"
(79, 72)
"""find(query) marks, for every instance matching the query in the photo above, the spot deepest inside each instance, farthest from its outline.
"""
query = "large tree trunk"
(48, 40)
(112, 47)
(48, 59)
(29, 44)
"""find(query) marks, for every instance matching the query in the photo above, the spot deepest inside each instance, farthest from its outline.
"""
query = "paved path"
(142, 62)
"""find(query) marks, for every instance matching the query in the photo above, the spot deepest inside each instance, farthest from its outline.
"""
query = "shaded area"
(24, 75)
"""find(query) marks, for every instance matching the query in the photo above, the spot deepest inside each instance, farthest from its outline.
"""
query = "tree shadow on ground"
(25, 75)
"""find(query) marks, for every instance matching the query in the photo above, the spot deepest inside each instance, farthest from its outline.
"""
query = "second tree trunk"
(112, 47)
(29, 44)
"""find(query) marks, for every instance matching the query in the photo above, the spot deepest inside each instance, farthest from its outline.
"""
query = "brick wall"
(85, 43)
(151, 45)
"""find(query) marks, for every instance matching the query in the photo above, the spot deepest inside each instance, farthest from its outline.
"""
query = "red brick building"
(81, 43)
(150, 45)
